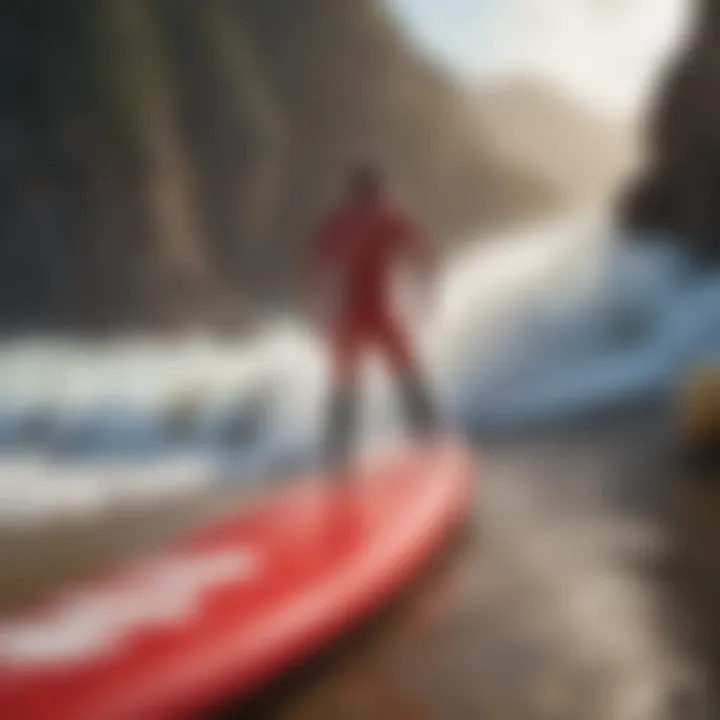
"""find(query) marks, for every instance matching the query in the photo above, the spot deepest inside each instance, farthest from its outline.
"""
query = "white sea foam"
(546, 322)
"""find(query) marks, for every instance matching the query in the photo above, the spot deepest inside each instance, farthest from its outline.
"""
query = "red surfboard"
(226, 610)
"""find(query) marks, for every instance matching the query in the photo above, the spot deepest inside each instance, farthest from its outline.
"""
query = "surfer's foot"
(343, 472)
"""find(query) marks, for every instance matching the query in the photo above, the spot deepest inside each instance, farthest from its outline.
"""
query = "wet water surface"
(558, 600)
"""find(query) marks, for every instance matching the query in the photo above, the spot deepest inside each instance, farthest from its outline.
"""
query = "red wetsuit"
(358, 247)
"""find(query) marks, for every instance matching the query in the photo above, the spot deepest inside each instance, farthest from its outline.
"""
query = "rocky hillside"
(680, 191)
(160, 159)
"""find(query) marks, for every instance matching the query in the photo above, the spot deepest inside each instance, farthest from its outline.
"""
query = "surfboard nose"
(227, 609)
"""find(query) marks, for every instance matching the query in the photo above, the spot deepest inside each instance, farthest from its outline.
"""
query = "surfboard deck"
(224, 611)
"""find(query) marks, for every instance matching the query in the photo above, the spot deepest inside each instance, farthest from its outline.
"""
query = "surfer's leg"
(419, 407)
(417, 401)
(340, 428)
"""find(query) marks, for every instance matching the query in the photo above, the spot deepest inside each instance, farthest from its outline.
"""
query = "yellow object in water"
(700, 406)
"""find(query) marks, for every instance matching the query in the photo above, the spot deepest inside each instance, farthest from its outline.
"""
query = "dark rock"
(679, 192)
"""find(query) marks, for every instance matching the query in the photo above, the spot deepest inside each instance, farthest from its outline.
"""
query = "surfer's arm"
(420, 258)
(418, 248)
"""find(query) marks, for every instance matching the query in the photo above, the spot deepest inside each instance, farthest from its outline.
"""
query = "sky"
(607, 52)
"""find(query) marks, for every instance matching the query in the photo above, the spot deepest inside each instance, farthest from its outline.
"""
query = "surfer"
(358, 247)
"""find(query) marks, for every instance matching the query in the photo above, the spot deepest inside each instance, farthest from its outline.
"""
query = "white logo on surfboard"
(96, 622)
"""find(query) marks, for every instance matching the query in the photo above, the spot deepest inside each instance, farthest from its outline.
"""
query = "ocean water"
(546, 323)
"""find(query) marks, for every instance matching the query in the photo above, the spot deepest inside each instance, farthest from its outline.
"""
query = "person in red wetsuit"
(357, 249)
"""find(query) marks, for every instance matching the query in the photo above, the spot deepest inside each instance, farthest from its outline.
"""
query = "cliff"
(161, 160)
(680, 189)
